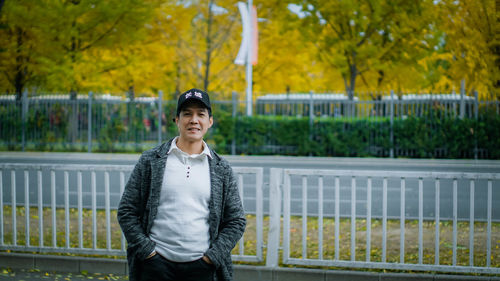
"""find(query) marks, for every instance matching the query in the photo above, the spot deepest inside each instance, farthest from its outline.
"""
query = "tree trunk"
(208, 41)
(353, 74)
(350, 83)
(20, 77)
(178, 72)
(496, 51)
(380, 79)
(177, 79)
(1, 5)
(73, 122)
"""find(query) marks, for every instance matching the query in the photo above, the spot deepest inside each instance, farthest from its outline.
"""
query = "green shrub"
(431, 136)
(121, 128)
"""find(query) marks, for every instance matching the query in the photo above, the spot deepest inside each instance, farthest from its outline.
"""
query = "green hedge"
(433, 136)
(429, 137)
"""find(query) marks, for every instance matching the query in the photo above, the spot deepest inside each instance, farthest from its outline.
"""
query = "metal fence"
(338, 105)
(88, 122)
(70, 209)
(92, 122)
(80, 201)
(110, 123)
(436, 182)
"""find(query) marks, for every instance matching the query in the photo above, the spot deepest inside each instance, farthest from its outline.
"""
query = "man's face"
(193, 122)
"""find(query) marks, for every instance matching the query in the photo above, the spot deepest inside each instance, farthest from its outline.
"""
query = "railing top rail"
(100, 167)
(248, 170)
(300, 172)
(393, 174)
(67, 167)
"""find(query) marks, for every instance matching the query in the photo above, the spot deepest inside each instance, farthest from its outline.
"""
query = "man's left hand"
(207, 260)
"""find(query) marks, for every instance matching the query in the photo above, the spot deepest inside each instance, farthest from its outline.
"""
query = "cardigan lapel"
(216, 194)
(157, 173)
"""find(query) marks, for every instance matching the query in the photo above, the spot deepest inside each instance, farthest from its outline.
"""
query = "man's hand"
(151, 255)
(207, 260)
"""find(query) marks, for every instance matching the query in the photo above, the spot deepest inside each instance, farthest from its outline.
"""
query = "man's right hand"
(151, 255)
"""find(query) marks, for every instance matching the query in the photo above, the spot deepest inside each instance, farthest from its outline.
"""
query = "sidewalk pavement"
(35, 274)
(23, 266)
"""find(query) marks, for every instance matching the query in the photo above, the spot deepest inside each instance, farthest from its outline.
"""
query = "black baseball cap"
(194, 94)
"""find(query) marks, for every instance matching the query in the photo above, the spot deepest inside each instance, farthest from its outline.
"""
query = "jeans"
(161, 269)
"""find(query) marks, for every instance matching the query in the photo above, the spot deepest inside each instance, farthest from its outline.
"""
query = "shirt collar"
(173, 147)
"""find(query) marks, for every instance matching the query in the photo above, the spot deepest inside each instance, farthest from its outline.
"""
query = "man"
(180, 211)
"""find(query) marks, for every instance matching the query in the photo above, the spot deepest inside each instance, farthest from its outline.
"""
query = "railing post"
(311, 118)
(273, 240)
(392, 125)
(235, 110)
(24, 113)
(89, 121)
(462, 99)
(454, 104)
(160, 97)
(476, 116)
(476, 105)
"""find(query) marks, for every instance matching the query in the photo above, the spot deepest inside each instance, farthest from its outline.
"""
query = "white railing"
(52, 187)
(84, 197)
(283, 178)
(257, 174)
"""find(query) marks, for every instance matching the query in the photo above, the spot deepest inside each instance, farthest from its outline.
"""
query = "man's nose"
(194, 118)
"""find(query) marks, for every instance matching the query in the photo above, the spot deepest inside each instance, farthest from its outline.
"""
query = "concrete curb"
(241, 272)
(237, 159)
(251, 273)
(64, 263)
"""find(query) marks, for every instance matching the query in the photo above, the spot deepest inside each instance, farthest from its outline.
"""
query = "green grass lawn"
(393, 236)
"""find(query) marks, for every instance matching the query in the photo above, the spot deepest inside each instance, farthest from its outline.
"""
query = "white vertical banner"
(247, 55)
(242, 53)
(250, 36)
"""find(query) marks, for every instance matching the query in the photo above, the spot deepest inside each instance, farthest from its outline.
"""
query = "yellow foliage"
(115, 46)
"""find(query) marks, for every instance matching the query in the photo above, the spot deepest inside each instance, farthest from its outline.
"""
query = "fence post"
(311, 119)
(392, 125)
(24, 113)
(462, 99)
(476, 116)
(89, 121)
(476, 105)
(273, 239)
(235, 109)
(160, 97)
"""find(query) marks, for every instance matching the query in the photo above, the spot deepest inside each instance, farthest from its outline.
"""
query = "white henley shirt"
(180, 229)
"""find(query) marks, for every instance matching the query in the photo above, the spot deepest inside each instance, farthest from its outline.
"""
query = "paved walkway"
(33, 274)
(250, 273)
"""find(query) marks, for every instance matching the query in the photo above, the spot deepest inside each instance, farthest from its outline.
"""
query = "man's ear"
(211, 121)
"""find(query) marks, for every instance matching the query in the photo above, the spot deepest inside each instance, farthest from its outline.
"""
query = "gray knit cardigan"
(139, 204)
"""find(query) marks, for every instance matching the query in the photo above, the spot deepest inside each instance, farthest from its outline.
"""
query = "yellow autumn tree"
(365, 40)
(141, 47)
(22, 45)
(285, 61)
(470, 28)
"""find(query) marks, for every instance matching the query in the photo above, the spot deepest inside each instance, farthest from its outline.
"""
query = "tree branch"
(1, 5)
(363, 79)
(103, 35)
